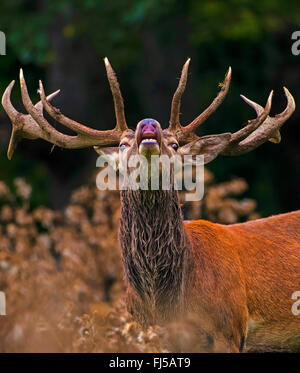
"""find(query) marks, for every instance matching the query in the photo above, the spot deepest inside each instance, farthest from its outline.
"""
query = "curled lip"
(147, 137)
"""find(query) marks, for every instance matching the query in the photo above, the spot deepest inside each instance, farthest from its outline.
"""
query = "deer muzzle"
(148, 137)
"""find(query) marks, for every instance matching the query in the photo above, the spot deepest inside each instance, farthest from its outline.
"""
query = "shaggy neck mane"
(155, 251)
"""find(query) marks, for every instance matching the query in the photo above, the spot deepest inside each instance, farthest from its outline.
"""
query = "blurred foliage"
(114, 25)
(253, 37)
(108, 25)
(235, 20)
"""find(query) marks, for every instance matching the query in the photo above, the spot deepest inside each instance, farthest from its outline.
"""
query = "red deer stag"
(239, 279)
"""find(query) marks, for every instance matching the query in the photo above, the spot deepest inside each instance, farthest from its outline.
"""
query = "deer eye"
(174, 146)
(122, 146)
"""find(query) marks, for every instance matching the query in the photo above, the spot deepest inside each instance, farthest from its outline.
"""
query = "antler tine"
(39, 105)
(6, 102)
(253, 124)
(23, 126)
(121, 124)
(112, 135)
(267, 131)
(176, 101)
(73, 125)
(52, 135)
(213, 106)
(187, 133)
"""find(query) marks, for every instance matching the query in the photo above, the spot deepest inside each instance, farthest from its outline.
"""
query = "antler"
(266, 129)
(255, 133)
(187, 133)
(23, 126)
(33, 125)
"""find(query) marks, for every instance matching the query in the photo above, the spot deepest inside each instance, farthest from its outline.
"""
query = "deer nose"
(148, 127)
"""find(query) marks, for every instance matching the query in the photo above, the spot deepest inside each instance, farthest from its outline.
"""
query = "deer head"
(149, 137)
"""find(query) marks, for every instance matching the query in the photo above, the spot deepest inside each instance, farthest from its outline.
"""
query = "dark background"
(147, 42)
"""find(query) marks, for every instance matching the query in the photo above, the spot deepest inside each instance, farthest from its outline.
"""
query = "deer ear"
(208, 146)
(110, 155)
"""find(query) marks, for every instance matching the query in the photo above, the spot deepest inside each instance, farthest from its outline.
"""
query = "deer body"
(234, 283)
(254, 267)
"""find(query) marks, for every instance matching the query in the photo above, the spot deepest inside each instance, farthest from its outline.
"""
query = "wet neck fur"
(155, 250)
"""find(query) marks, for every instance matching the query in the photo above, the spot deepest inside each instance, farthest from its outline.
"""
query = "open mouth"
(147, 138)
(150, 140)
(148, 143)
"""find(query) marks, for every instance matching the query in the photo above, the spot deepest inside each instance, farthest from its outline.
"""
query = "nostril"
(149, 123)
(149, 127)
